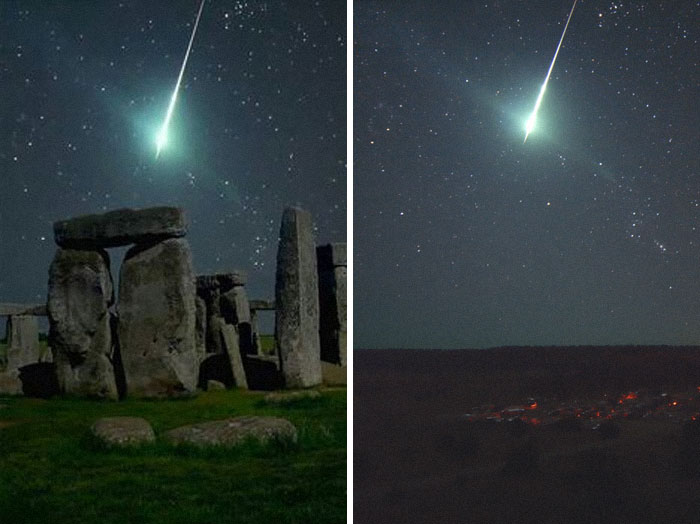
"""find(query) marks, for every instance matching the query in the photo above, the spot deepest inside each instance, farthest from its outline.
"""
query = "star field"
(587, 234)
(260, 123)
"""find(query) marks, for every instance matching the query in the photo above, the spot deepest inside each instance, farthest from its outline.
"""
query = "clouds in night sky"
(587, 234)
(260, 123)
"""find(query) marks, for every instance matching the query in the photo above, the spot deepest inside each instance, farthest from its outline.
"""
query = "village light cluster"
(633, 405)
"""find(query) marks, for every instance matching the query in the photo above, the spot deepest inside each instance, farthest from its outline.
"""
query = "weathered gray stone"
(234, 306)
(120, 228)
(23, 350)
(255, 333)
(287, 397)
(332, 283)
(233, 431)
(7, 309)
(215, 385)
(225, 301)
(332, 255)
(123, 431)
(221, 281)
(80, 292)
(214, 344)
(200, 326)
(210, 289)
(296, 300)
(10, 384)
(263, 305)
(157, 320)
(236, 310)
(334, 374)
(229, 339)
(22, 341)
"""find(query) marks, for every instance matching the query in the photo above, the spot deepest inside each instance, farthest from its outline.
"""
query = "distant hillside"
(511, 373)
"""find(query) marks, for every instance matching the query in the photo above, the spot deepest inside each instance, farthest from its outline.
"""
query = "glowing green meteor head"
(530, 125)
(161, 140)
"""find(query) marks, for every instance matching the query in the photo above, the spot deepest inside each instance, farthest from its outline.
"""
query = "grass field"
(52, 470)
(267, 344)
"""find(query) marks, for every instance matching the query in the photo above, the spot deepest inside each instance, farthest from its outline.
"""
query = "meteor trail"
(162, 137)
(530, 124)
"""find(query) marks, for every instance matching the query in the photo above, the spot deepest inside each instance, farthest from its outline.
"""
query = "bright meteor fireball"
(162, 137)
(532, 120)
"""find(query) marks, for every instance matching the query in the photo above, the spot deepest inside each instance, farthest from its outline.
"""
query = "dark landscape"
(527, 435)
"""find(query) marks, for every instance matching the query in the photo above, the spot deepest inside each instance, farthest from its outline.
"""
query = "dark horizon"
(519, 347)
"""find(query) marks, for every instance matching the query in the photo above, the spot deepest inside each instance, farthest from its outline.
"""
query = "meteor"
(530, 124)
(162, 137)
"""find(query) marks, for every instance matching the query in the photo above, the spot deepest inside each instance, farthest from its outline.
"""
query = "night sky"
(260, 123)
(589, 233)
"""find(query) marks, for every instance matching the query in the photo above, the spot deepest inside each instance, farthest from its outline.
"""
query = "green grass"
(267, 344)
(53, 470)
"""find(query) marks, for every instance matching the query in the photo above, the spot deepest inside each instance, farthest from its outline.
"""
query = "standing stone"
(200, 327)
(255, 333)
(22, 350)
(332, 284)
(157, 320)
(229, 338)
(225, 301)
(80, 293)
(22, 341)
(296, 300)
(235, 309)
(214, 345)
(207, 288)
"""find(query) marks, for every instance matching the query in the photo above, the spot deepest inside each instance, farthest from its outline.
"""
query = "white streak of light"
(530, 125)
(163, 133)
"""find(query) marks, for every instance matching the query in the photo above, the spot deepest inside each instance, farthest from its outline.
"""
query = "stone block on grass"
(123, 431)
(233, 431)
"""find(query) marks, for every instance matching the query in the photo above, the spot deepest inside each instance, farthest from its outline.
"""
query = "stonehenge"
(164, 331)
(153, 348)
